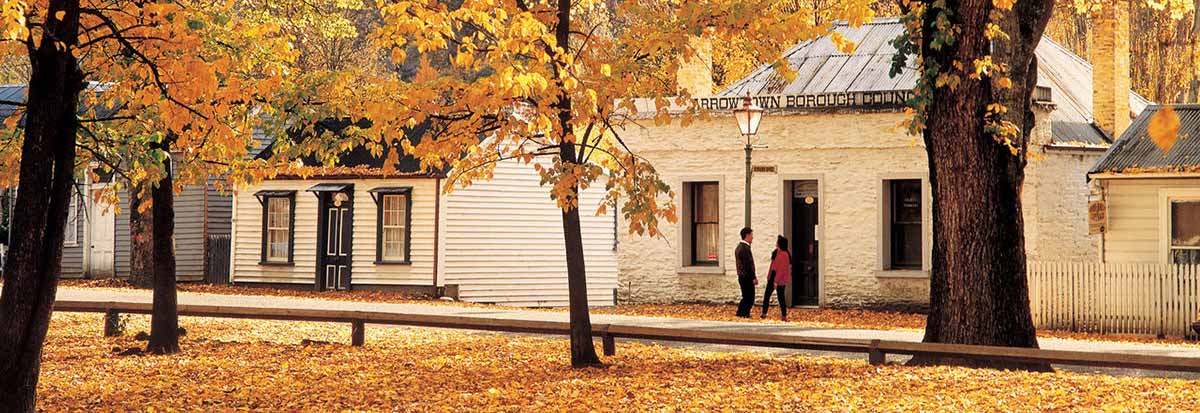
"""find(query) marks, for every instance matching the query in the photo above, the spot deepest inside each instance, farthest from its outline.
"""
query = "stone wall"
(850, 154)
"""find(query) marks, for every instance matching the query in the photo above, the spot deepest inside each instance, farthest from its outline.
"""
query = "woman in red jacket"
(779, 276)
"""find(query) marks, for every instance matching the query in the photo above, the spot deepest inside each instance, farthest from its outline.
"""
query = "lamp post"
(748, 117)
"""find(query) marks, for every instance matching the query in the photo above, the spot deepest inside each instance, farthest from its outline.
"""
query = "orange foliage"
(230, 365)
(807, 317)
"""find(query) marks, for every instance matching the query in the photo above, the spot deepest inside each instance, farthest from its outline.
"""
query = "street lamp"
(748, 117)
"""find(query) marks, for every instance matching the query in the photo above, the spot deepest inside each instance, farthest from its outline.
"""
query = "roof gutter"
(1143, 175)
(1088, 148)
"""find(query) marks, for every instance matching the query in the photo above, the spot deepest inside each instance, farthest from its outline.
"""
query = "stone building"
(840, 177)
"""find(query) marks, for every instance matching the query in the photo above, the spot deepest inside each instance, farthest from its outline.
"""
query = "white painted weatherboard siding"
(504, 242)
(1135, 219)
(248, 235)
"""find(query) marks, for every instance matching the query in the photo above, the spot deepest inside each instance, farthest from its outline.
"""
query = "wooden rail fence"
(876, 350)
(1161, 300)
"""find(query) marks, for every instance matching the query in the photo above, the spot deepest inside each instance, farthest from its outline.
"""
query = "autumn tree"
(1164, 36)
(149, 74)
(536, 80)
(972, 106)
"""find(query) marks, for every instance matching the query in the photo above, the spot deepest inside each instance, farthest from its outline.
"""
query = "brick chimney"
(695, 73)
(1110, 68)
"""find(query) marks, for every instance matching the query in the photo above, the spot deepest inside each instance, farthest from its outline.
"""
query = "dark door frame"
(325, 198)
(786, 186)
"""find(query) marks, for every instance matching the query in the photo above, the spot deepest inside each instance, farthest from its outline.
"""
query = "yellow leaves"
(1004, 4)
(265, 366)
(843, 45)
(12, 19)
(994, 32)
(983, 67)
(945, 79)
(1164, 129)
(606, 70)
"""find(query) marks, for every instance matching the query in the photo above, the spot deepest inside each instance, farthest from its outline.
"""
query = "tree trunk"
(46, 176)
(979, 292)
(164, 322)
(141, 236)
(583, 350)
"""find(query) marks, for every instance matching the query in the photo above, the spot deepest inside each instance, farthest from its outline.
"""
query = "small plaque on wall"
(766, 169)
(1097, 217)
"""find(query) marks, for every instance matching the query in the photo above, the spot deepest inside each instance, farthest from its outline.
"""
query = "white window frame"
(1165, 197)
(884, 248)
(286, 227)
(685, 226)
(402, 227)
(71, 235)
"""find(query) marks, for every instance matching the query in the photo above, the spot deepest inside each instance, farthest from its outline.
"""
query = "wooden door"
(335, 238)
(101, 228)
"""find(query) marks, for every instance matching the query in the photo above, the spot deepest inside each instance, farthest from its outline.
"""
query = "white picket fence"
(1111, 298)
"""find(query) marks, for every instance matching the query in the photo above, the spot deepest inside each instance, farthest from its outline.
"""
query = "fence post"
(875, 355)
(112, 323)
(357, 333)
(610, 344)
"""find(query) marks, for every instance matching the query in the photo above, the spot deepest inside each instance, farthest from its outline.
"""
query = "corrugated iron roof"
(10, 93)
(360, 156)
(1135, 151)
(17, 93)
(821, 68)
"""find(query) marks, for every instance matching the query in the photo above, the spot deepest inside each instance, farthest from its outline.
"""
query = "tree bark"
(583, 349)
(164, 321)
(46, 176)
(141, 235)
(979, 292)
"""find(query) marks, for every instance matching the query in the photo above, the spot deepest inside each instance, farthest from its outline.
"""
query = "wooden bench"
(876, 350)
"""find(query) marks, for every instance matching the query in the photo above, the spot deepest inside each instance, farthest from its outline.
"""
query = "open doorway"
(802, 210)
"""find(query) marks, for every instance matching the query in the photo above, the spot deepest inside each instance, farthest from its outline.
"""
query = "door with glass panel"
(335, 230)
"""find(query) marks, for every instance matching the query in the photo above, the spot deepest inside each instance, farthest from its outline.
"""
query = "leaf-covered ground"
(262, 365)
(823, 318)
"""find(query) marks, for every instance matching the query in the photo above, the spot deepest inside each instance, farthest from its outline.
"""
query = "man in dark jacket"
(745, 272)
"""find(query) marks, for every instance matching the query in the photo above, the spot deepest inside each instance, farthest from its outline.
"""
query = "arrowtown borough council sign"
(866, 100)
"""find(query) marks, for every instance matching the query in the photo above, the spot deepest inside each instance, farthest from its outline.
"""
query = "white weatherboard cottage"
(1151, 197)
(96, 242)
(844, 182)
(497, 241)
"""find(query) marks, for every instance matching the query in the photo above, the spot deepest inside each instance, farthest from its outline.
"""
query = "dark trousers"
(747, 302)
(782, 297)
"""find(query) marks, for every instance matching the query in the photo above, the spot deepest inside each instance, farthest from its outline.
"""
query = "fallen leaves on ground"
(807, 317)
(229, 365)
(847, 319)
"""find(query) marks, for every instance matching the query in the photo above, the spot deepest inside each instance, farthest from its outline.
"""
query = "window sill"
(276, 263)
(902, 274)
(378, 262)
(713, 269)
